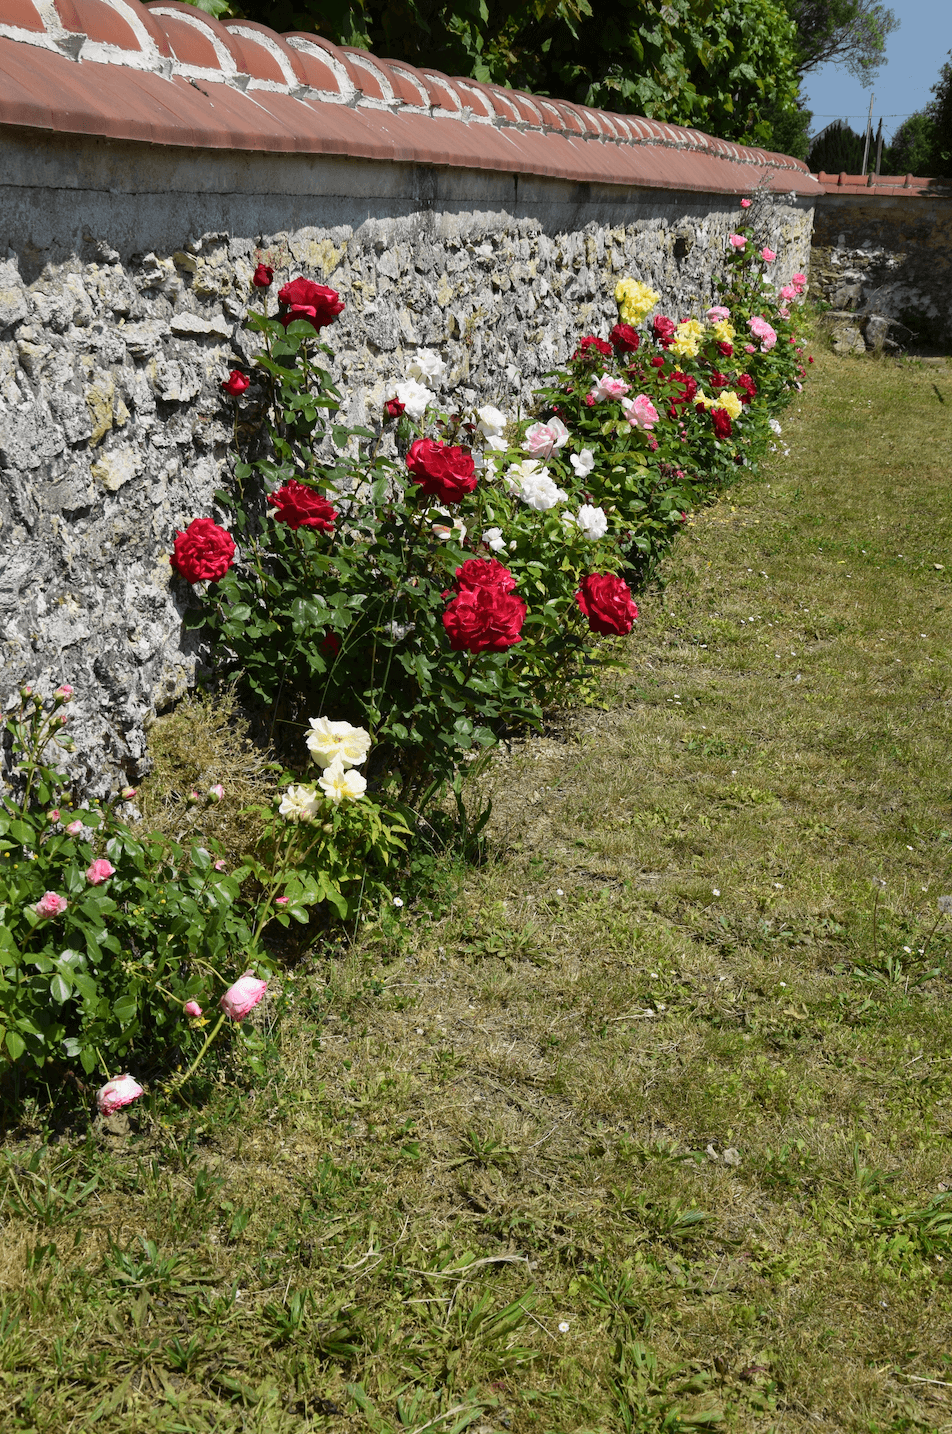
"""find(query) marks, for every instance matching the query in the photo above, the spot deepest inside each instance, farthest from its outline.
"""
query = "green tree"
(911, 149)
(938, 112)
(851, 33)
(837, 149)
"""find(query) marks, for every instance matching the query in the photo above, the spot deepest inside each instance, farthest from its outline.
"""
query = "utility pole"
(879, 146)
(869, 135)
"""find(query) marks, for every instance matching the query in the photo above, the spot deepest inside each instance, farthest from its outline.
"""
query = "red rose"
(663, 329)
(607, 603)
(393, 408)
(686, 384)
(484, 573)
(718, 380)
(657, 361)
(590, 346)
(203, 552)
(725, 349)
(721, 420)
(484, 618)
(441, 470)
(748, 387)
(236, 383)
(263, 276)
(624, 339)
(330, 645)
(316, 303)
(299, 506)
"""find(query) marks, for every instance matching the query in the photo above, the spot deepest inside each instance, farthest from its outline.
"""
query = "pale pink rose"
(53, 816)
(117, 1093)
(128, 793)
(738, 241)
(718, 314)
(745, 204)
(749, 349)
(768, 255)
(763, 331)
(100, 871)
(607, 387)
(788, 292)
(221, 866)
(784, 311)
(74, 828)
(50, 905)
(192, 1008)
(640, 412)
(542, 439)
(800, 280)
(281, 900)
(64, 693)
(243, 996)
(215, 793)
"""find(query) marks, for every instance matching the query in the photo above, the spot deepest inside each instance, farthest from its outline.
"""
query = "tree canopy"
(851, 33)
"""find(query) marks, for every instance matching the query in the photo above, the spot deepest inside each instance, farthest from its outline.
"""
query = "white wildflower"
(415, 398)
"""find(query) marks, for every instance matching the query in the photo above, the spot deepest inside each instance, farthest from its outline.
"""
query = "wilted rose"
(99, 871)
(243, 996)
(117, 1093)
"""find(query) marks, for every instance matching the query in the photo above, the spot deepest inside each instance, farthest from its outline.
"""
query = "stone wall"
(882, 257)
(123, 292)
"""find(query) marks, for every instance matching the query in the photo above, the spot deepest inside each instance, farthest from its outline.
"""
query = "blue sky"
(915, 54)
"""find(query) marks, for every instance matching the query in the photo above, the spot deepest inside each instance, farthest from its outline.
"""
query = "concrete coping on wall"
(908, 185)
(168, 74)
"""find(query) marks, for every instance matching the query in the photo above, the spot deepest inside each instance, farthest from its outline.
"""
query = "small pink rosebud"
(221, 866)
(215, 794)
(745, 204)
(192, 1008)
(193, 797)
(49, 905)
(281, 900)
(117, 1093)
(64, 693)
(74, 828)
(243, 996)
(128, 793)
(100, 871)
(26, 690)
(53, 816)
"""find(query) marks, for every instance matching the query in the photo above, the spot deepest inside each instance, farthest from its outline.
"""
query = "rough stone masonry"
(122, 299)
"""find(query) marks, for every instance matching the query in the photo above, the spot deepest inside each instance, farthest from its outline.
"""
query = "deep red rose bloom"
(624, 339)
(393, 407)
(718, 380)
(330, 646)
(263, 276)
(203, 552)
(748, 388)
(303, 299)
(484, 618)
(721, 420)
(236, 383)
(484, 573)
(589, 346)
(299, 506)
(663, 329)
(607, 603)
(686, 384)
(725, 349)
(441, 470)
(657, 361)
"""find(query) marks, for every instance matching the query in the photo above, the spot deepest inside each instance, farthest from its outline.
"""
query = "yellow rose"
(635, 300)
(687, 339)
(723, 332)
(700, 397)
(731, 402)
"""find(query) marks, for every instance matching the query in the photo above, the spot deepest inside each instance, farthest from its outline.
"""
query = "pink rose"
(74, 828)
(243, 996)
(221, 866)
(763, 331)
(785, 314)
(717, 314)
(193, 1009)
(53, 816)
(542, 439)
(745, 204)
(788, 292)
(607, 387)
(49, 905)
(768, 255)
(64, 693)
(215, 794)
(117, 1093)
(281, 900)
(738, 241)
(800, 281)
(749, 349)
(641, 412)
(100, 871)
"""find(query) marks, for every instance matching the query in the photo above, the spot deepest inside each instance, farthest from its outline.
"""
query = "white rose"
(775, 426)
(299, 804)
(494, 539)
(592, 522)
(534, 485)
(330, 742)
(426, 366)
(583, 462)
(340, 784)
(415, 397)
(444, 531)
(492, 421)
(496, 443)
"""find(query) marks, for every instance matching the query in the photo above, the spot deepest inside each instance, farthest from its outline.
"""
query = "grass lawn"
(650, 1127)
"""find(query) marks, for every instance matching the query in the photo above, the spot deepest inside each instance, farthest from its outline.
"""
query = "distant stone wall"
(882, 257)
(150, 160)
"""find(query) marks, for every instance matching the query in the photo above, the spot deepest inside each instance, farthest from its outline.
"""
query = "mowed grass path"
(652, 1130)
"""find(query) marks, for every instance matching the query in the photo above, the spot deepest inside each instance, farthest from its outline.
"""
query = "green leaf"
(15, 1044)
(125, 1009)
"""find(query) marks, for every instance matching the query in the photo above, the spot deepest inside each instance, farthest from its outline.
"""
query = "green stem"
(180, 1080)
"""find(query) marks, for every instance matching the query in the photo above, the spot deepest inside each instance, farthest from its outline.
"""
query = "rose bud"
(393, 408)
(236, 383)
(64, 693)
(243, 996)
(128, 793)
(53, 816)
(117, 1093)
(263, 276)
(74, 828)
(192, 1008)
(215, 794)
